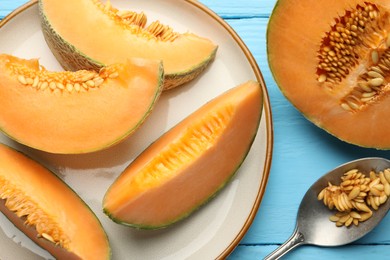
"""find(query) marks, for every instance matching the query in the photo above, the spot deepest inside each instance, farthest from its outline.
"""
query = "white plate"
(214, 230)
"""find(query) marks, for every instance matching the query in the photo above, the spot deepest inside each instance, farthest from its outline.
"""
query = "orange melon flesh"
(77, 122)
(185, 167)
(58, 210)
(295, 31)
(112, 42)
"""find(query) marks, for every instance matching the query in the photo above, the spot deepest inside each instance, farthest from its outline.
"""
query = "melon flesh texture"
(185, 167)
(295, 32)
(78, 122)
(99, 39)
(24, 182)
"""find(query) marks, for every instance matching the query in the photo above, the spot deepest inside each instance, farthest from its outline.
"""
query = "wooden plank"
(7, 6)
(232, 9)
(350, 252)
(226, 9)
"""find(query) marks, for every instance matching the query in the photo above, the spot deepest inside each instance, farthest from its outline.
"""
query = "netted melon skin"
(174, 80)
(69, 57)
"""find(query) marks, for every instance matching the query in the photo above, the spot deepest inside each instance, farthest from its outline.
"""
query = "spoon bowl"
(313, 225)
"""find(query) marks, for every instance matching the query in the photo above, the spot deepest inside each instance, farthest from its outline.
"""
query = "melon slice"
(186, 167)
(75, 112)
(101, 34)
(51, 214)
(330, 58)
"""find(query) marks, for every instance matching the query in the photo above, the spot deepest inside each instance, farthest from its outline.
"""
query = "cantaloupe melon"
(331, 59)
(43, 207)
(186, 166)
(75, 112)
(100, 34)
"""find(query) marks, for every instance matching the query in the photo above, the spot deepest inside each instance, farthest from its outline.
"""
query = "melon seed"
(59, 85)
(375, 57)
(365, 86)
(368, 94)
(77, 87)
(114, 75)
(383, 67)
(87, 76)
(22, 79)
(36, 82)
(44, 85)
(377, 69)
(98, 81)
(52, 85)
(48, 237)
(376, 82)
(345, 106)
(90, 83)
(69, 87)
(374, 74)
(29, 81)
(322, 78)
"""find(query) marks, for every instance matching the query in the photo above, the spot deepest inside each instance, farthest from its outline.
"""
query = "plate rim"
(267, 112)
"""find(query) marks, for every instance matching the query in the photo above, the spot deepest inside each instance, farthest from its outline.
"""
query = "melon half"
(331, 59)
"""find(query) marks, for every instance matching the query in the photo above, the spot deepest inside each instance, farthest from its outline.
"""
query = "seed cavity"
(341, 47)
(356, 49)
(191, 143)
(24, 207)
(64, 81)
(137, 23)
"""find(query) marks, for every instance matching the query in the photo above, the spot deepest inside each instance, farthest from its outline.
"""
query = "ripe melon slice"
(43, 207)
(331, 60)
(75, 112)
(186, 166)
(102, 34)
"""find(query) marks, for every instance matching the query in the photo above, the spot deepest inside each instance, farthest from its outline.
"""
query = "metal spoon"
(313, 225)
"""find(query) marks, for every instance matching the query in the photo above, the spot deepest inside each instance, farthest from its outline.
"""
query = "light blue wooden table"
(302, 153)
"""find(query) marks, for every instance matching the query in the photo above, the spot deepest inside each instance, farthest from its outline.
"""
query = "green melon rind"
(179, 78)
(198, 206)
(109, 256)
(69, 57)
(72, 59)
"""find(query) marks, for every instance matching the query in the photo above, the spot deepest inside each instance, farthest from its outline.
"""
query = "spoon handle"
(296, 239)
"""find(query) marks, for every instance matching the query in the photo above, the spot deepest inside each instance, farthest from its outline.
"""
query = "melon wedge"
(101, 34)
(75, 112)
(186, 166)
(51, 214)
